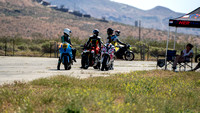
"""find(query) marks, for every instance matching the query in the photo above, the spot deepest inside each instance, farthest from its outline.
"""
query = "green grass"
(141, 91)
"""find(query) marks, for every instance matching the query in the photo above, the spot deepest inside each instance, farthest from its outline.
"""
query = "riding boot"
(58, 66)
(111, 67)
(74, 54)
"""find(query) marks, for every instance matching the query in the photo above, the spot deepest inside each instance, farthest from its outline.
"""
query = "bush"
(46, 47)
(156, 51)
(35, 48)
(22, 47)
(2, 46)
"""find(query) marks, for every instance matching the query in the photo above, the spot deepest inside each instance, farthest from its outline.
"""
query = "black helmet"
(117, 32)
(110, 31)
(96, 32)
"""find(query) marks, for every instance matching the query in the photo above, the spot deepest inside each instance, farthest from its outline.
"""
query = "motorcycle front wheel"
(129, 56)
(104, 63)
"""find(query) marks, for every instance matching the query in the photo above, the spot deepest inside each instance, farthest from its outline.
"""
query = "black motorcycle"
(124, 52)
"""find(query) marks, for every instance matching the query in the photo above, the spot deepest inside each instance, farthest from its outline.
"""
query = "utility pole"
(139, 30)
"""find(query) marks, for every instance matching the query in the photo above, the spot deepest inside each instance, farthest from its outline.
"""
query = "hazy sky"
(183, 6)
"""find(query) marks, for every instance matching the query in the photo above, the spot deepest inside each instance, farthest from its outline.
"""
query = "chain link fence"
(12, 46)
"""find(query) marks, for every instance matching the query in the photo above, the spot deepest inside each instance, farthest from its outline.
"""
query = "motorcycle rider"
(113, 39)
(94, 41)
(66, 38)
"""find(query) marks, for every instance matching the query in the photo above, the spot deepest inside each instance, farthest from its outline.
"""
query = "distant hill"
(31, 20)
(156, 18)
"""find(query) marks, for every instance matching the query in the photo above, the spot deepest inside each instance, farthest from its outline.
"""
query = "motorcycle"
(66, 55)
(90, 57)
(107, 57)
(124, 52)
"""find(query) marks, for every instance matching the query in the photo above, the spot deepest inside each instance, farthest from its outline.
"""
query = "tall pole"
(139, 30)
(167, 48)
(175, 39)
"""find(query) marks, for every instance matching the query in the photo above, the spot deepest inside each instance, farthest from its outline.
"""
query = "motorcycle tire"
(129, 56)
(67, 67)
(85, 62)
(65, 63)
(97, 66)
(197, 59)
(104, 66)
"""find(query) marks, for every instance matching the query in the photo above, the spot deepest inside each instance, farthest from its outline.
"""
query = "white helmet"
(67, 31)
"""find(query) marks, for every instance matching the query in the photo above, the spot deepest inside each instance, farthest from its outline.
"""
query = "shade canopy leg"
(175, 38)
(167, 48)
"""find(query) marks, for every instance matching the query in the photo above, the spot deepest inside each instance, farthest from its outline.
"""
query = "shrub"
(46, 47)
(2, 46)
(22, 47)
(34, 48)
(156, 51)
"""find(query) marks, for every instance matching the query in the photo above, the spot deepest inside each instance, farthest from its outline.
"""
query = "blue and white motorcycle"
(65, 56)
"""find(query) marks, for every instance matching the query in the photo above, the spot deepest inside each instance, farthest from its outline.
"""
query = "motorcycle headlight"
(65, 46)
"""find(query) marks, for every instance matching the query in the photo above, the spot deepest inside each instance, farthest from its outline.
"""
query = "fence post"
(143, 52)
(148, 53)
(57, 49)
(196, 51)
(50, 49)
(5, 47)
(140, 52)
(13, 47)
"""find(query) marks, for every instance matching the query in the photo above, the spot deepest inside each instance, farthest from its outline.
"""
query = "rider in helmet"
(66, 38)
(113, 39)
(110, 35)
(116, 39)
(94, 41)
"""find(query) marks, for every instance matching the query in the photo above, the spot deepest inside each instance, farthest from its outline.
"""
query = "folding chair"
(187, 63)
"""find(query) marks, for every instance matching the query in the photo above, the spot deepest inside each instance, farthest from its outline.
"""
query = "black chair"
(171, 55)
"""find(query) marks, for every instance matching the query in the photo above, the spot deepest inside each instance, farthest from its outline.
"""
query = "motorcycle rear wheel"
(66, 63)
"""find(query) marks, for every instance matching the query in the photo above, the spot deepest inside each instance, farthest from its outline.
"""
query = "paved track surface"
(30, 68)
